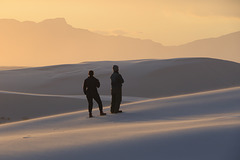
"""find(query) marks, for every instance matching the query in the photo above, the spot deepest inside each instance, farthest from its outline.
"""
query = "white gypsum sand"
(143, 78)
(196, 126)
(17, 106)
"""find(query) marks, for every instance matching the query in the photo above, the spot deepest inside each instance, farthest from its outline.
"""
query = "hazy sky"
(170, 22)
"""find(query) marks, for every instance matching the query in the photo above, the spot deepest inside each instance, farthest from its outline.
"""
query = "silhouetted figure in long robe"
(116, 90)
(90, 90)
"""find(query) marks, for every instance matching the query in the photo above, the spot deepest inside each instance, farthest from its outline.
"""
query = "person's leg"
(118, 100)
(99, 102)
(90, 104)
(113, 103)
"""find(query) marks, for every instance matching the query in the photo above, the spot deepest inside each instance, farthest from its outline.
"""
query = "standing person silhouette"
(116, 91)
(90, 90)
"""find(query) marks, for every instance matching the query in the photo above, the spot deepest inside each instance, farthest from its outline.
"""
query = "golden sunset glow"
(119, 79)
(47, 32)
(170, 22)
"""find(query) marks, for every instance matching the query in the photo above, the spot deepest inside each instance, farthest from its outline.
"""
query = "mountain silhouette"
(54, 41)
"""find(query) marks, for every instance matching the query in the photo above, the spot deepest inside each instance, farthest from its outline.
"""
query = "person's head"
(91, 73)
(115, 68)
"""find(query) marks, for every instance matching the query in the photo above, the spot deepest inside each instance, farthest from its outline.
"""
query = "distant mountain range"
(53, 41)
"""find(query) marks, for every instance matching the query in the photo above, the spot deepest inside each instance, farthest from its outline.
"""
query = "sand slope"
(42, 91)
(16, 106)
(197, 126)
(143, 78)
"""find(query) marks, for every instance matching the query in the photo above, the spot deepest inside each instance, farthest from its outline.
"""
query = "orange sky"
(170, 22)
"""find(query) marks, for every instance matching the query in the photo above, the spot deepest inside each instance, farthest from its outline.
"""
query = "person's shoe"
(111, 110)
(90, 115)
(102, 114)
(120, 111)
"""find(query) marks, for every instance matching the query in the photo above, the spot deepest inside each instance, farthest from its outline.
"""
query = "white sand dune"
(196, 126)
(15, 106)
(144, 78)
(176, 112)
(103, 97)
(2, 68)
(42, 91)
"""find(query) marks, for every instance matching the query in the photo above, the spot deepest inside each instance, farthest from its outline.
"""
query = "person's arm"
(85, 87)
(98, 83)
(121, 79)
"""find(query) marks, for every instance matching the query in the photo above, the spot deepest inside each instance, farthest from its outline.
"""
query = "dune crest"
(144, 78)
